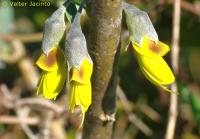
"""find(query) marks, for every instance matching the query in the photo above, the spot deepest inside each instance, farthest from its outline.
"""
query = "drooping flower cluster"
(75, 64)
(52, 61)
(80, 67)
(148, 49)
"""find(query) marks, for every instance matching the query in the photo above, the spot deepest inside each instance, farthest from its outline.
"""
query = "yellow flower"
(53, 74)
(151, 48)
(80, 87)
(151, 63)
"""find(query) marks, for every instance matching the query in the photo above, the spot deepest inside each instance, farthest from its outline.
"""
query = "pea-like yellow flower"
(149, 50)
(80, 67)
(80, 91)
(151, 63)
(53, 74)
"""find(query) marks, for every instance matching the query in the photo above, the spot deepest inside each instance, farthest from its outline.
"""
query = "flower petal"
(53, 82)
(83, 75)
(84, 96)
(80, 95)
(164, 48)
(156, 70)
(151, 48)
(52, 60)
(40, 83)
(72, 102)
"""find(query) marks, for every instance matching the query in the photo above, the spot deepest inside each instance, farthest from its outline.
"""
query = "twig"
(47, 125)
(21, 113)
(6, 119)
(78, 135)
(192, 7)
(124, 100)
(29, 72)
(25, 64)
(151, 113)
(32, 102)
(58, 109)
(35, 37)
(18, 52)
(145, 109)
(189, 7)
(132, 117)
(174, 59)
(6, 92)
(140, 124)
(57, 129)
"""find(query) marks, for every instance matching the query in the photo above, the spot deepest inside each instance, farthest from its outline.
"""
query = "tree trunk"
(103, 41)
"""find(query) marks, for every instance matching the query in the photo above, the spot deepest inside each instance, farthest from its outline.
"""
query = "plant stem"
(103, 42)
(175, 65)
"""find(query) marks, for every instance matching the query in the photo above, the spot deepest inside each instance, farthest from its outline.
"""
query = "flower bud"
(139, 24)
(54, 29)
(75, 45)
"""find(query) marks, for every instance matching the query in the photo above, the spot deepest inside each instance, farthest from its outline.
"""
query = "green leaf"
(71, 12)
(78, 2)
(187, 96)
(195, 105)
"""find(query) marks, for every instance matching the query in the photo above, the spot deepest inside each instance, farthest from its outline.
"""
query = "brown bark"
(103, 41)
